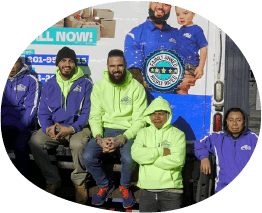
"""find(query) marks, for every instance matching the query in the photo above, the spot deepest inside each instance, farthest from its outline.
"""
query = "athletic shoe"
(100, 196)
(128, 198)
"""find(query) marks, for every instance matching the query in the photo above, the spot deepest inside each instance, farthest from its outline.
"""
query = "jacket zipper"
(235, 146)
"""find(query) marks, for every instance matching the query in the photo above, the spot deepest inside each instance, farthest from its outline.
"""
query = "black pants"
(18, 141)
(159, 201)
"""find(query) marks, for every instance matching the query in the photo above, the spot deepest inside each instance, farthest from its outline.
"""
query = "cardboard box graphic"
(107, 28)
(84, 13)
(103, 13)
(93, 25)
(87, 12)
(73, 22)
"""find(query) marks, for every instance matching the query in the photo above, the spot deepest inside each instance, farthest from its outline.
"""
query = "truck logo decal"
(163, 70)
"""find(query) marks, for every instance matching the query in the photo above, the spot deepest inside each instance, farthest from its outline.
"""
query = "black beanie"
(65, 52)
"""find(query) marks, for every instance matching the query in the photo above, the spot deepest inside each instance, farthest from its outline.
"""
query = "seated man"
(63, 116)
(117, 105)
(160, 151)
(18, 111)
(233, 148)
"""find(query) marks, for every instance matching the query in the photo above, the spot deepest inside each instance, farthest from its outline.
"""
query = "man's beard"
(156, 20)
(117, 81)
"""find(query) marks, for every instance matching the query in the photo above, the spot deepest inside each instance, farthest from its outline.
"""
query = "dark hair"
(116, 53)
(236, 110)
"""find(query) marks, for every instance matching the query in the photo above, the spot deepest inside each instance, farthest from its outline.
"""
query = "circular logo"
(163, 71)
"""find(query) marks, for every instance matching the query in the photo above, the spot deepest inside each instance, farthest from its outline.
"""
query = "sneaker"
(81, 193)
(128, 198)
(51, 188)
(100, 196)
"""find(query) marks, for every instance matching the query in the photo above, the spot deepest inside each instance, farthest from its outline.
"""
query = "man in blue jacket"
(63, 116)
(18, 111)
(153, 34)
(233, 148)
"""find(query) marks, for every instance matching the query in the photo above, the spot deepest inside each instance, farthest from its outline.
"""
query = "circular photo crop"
(130, 106)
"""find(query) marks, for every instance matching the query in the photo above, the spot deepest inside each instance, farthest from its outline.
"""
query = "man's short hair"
(236, 110)
(116, 53)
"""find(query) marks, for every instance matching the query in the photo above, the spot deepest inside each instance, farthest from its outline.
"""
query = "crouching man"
(232, 147)
(160, 151)
(63, 116)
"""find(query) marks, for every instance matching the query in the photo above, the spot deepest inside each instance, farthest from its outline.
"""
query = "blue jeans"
(93, 153)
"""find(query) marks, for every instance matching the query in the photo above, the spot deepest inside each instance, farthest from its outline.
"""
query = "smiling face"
(159, 9)
(16, 68)
(67, 68)
(117, 69)
(235, 123)
(184, 17)
(159, 118)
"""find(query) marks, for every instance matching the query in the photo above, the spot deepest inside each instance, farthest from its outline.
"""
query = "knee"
(36, 141)
(92, 153)
(77, 145)
(87, 157)
(127, 159)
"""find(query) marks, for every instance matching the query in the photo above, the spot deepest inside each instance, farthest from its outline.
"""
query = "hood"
(127, 79)
(156, 105)
(225, 128)
(66, 85)
(22, 71)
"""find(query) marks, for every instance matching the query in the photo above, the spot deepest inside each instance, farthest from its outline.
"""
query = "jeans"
(163, 201)
(92, 160)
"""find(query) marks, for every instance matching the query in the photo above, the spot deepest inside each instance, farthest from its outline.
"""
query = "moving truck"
(92, 32)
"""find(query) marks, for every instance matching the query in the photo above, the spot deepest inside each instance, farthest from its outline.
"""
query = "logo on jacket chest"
(126, 101)
(187, 35)
(165, 144)
(77, 89)
(20, 88)
(245, 147)
(172, 40)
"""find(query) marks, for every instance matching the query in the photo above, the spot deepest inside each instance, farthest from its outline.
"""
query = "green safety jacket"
(155, 170)
(117, 106)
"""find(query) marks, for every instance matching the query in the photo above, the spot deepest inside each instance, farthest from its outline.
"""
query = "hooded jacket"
(71, 111)
(155, 170)
(20, 99)
(117, 106)
(232, 154)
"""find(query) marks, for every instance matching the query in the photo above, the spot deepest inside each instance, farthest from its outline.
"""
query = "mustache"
(163, 11)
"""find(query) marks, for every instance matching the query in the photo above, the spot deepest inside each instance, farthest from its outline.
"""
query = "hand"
(188, 81)
(144, 83)
(166, 152)
(199, 72)
(104, 143)
(108, 145)
(65, 131)
(50, 131)
(112, 144)
(205, 166)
